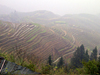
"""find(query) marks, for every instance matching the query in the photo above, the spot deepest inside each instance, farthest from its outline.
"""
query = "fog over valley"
(50, 37)
(60, 7)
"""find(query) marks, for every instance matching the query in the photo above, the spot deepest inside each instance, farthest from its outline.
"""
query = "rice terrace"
(50, 37)
(36, 38)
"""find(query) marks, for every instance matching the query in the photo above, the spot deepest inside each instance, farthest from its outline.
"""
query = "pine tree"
(50, 60)
(78, 56)
(99, 59)
(86, 56)
(94, 54)
(76, 60)
(60, 63)
(82, 50)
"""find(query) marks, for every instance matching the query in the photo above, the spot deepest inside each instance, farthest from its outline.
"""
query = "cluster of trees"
(50, 65)
(81, 55)
(81, 63)
(60, 63)
(84, 63)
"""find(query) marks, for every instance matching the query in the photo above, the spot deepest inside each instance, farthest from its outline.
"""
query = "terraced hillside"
(36, 39)
(74, 29)
(83, 28)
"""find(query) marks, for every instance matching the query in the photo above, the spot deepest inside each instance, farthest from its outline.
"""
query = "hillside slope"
(84, 28)
(34, 38)
(77, 28)
(41, 17)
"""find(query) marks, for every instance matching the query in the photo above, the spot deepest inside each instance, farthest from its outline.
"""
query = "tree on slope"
(87, 56)
(78, 56)
(60, 63)
(82, 52)
(49, 60)
(94, 54)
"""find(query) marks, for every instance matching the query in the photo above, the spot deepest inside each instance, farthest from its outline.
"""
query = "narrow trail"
(64, 32)
(69, 52)
(73, 39)
(63, 56)
(56, 60)
(52, 30)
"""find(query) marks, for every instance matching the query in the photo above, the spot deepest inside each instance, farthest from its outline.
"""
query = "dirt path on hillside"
(73, 39)
(64, 32)
(67, 53)
(56, 60)
(52, 30)
(63, 56)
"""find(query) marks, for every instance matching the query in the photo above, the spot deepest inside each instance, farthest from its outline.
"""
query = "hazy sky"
(57, 6)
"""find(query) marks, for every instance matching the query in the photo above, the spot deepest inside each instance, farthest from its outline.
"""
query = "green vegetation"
(94, 54)
(36, 36)
(32, 38)
(58, 31)
(61, 49)
(38, 41)
(91, 67)
(21, 57)
(60, 22)
(79, 55)
(60, 63)
(50, 60)
(33, 31)
(81, 63)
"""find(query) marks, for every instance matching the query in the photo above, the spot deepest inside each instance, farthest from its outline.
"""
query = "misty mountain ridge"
(11, 15)
(18, 16)
(5, 10)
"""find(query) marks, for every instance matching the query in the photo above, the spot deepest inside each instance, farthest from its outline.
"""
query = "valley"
(44, 33)
(50, 37)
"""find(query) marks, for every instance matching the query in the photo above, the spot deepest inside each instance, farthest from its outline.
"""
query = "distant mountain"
(43, 14)
(84, 21)
(5, 10)
(85, 28)
(41, 17)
